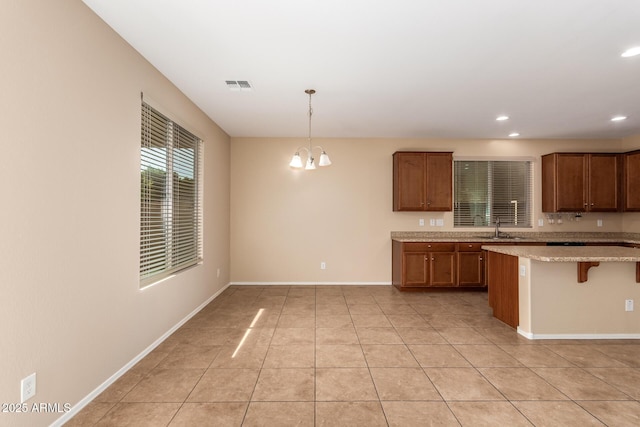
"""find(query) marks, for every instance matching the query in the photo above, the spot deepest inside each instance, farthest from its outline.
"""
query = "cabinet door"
(443, 268)
(571, 173)
(439, 186)
(416, 269)
(604, 186)
(470, 269)
(632, 181)
(409, 185)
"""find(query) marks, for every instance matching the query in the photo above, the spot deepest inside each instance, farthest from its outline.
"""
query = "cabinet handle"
(470, 246)
(480, 258)
(592, 204)
(421, 203)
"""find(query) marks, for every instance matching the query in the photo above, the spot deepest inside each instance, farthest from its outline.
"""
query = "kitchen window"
(485, 190)
(170, 197)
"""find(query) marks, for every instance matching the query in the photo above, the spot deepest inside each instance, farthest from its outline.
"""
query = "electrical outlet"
(540, 222)
(523, 270)
(599, 223)
(421, 222)
(628, 305)
(432, 222)
(27, 388)
(323, 265)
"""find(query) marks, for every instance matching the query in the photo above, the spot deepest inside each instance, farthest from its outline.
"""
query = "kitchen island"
(558, 292)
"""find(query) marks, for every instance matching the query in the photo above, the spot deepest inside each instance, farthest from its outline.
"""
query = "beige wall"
(285, 222)
(71, 309)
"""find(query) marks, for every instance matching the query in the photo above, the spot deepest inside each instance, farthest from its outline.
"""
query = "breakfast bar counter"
(564, 292)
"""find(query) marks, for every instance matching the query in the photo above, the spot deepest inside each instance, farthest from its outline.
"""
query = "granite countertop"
(516, 237)
(569, 253)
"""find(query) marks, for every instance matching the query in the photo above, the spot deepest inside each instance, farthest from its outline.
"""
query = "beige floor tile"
(150, 361)
(343, 350)
(407, 321)
(585, 356)
(364, 309)
(139, 415)
(536, 356)
(285, 385)
(420, 335)
(120, 388)
(294, 336)
(389, 356)
(295, 321)
(352, 414)
(344, 384)
(190, 356)
(333, 321)
(290, 356)
(396, 308)
(626, 380)
(554, 414)
(403, 384)
(209, 414)
(370, 321)
(419, 414)
(368, 335)
(579, 384)
(240, 356)
(90, 414)
(489, 414)
(445, 320)
(611, 413)
(629, 354)
(340, 356)
(332, 309)
(486, 355)
(462, 384)
(225, 385)
(462, 336)
(363, 298)
(328, 336)
(165, 385)
(521, 384)
(281, 414)
(438, 355)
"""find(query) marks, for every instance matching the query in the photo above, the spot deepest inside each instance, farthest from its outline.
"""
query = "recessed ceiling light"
(514, 134)
(631, 52)
(502, 118)
(618, 118)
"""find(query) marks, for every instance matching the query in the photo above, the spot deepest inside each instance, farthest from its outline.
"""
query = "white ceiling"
(396, 68)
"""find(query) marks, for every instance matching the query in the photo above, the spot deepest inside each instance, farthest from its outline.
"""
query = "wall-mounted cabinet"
(422, 181)
(631, 181)
(581, 182)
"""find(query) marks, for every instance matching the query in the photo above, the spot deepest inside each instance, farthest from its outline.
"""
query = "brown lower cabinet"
(437, 265)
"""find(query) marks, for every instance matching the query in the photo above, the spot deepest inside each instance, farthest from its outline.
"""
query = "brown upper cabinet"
(632, 181)
(581, 182)
(422, 181)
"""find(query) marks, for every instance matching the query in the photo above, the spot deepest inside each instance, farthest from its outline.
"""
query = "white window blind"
(170, 200)
(485, 190)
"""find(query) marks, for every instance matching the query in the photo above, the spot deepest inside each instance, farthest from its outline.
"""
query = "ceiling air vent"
(243, 85)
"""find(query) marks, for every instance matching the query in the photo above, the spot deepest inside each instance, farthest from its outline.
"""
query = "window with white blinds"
(486, 190)
(170, 197)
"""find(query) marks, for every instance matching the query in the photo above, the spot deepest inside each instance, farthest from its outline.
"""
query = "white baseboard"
(531, 336)
(102, 387)
(311, 283)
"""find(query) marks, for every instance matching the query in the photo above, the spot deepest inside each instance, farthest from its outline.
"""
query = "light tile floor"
(368, 356)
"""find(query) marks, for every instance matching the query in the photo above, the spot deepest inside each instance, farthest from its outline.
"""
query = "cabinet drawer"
(469, 247)
(429, 247)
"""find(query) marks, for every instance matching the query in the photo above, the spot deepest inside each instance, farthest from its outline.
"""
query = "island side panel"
(502, 283)
(524, 297)
(563, 308)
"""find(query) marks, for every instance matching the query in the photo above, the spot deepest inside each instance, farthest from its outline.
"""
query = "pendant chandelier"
(296, 160)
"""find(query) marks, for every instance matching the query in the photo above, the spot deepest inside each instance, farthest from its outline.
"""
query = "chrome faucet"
(497, 234)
